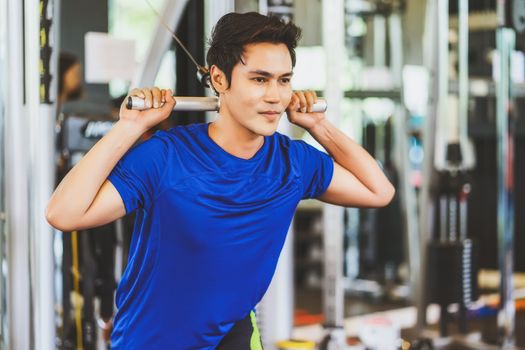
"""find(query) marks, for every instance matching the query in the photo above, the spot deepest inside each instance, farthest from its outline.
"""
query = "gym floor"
(309, 309)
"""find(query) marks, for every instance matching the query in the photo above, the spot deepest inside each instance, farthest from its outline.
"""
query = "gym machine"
(446, 186)
(92, 259)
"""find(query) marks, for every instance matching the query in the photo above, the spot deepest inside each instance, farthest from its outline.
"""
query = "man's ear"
(218, 80)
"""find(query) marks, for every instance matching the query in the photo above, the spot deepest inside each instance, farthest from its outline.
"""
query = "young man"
(214, 201)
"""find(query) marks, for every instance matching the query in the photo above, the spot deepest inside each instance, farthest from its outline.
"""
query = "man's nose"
(272, 93)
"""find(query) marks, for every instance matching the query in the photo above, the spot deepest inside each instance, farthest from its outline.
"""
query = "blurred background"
(433, 89)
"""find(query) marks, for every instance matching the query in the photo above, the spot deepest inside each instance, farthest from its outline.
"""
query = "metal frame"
(160, 42)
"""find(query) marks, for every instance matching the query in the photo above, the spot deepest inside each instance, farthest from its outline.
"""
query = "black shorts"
(244, 335)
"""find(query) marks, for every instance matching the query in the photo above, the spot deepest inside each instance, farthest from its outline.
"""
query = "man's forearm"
(80, 186)
(350, 156)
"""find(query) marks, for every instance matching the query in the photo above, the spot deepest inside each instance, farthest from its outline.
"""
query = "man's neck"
(234, 138)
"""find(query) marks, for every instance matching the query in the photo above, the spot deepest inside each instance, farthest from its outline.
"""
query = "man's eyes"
(262, 80)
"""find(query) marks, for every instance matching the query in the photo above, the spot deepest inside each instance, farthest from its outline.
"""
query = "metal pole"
(41, 122)
(443, 122)
(463, 70)
(434, 62)
(275, 310)
(407, 193)
(17, 189)
(395, 30)
(506, 316)
(333, 296)
(505, 41)
(3, 99)
(379, 25)
(263, 7)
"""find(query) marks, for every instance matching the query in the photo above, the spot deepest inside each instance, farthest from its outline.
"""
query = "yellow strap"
(295, 344)
(76, 286)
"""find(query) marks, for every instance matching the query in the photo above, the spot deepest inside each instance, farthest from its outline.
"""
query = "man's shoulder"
(178, 132)
(282, 139)
(288, 142)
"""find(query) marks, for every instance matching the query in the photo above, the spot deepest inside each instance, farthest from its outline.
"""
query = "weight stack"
(452, 272)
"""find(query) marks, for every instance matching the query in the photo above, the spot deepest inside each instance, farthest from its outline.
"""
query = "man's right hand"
(153, 98)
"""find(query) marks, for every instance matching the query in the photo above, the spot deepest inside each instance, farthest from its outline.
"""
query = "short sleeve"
(316, 168)
(138, 174)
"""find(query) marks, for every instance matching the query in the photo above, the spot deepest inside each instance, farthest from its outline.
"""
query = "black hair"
(65, 62)
(235, 30)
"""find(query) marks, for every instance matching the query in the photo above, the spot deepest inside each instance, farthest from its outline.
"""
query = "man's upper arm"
(106, 207)
(346, 190)
(138, 175)
(315, 168)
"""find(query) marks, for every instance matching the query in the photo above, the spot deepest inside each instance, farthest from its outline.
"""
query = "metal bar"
(485, 88)
(190, 103)
(379, 25)
(395, 30)
(394, 94)
(463, 70)
(505, 40)
(444, 127)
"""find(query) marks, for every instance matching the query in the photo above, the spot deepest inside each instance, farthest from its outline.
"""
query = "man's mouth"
(270, 115)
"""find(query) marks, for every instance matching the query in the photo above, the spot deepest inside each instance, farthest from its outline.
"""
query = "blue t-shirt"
(209, 230)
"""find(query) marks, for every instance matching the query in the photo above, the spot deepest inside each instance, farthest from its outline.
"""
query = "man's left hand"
(299, 110)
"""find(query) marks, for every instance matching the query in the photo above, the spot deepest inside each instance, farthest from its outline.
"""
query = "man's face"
(260, 89)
